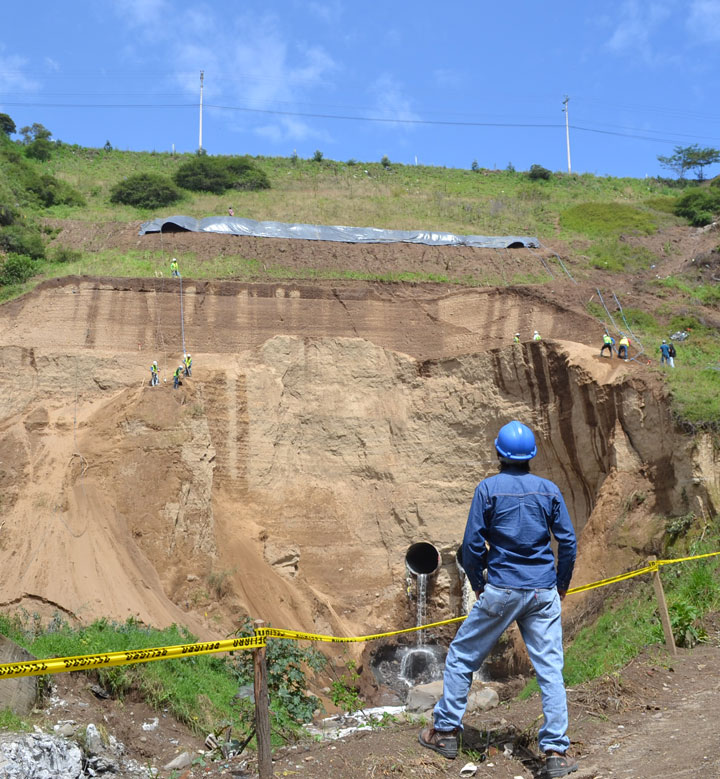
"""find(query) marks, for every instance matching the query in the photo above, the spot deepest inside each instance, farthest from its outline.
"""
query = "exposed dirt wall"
(288, 476)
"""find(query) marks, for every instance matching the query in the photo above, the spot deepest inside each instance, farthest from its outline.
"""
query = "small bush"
(538, 173)
(7, 215)
(17, 239)
(39, 149)
(218, 174)
(16, 269)
(385, 161)
(699, 206)
(318, 156)
(49, 191)
(145, 190)
(64, 254)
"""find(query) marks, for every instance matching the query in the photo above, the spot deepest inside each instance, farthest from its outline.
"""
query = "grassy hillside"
(604, 224)
(369, 194)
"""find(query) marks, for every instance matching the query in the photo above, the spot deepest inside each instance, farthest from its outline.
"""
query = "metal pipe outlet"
(422, 558)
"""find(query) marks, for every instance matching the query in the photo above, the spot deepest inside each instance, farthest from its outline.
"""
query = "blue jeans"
(537, 613)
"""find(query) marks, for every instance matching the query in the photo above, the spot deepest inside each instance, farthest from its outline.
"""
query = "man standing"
(608, 343)
(516, 338)
(176, 376)
(664, 352)
(508, 531)
(174, 270)
(537, 336)
(188, 364)
(154, 377)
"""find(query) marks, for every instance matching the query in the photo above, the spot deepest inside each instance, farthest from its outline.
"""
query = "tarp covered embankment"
(238, 226)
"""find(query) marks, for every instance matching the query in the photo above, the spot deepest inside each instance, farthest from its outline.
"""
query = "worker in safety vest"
(174, 270)
(623, 347)
(188, 364)
(176, 376)
(516, 338)
(537, 336)
(154, 374)
(608, 343)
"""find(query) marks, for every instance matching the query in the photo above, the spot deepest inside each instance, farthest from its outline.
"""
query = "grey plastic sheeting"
(237, 226)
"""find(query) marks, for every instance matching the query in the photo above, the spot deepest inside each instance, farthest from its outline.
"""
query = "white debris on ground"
(341, 725)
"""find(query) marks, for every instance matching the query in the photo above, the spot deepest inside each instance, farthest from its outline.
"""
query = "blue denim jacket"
(516, 512)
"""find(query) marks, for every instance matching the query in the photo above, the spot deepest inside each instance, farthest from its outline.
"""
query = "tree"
(34, 132)
(7, 125)
(686, 158)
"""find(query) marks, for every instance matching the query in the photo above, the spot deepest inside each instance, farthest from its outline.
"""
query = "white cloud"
(390, 101)
(144, 13)
(249, 61)
(12, 74)
(704, 20)
(639, 20)
(330, 11)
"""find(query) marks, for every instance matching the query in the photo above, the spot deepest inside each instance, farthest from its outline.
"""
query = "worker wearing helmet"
(176, 376)
(512, 518)
(154, 374)
(516, 338)
(623, 344)
(174, 269)
(608, 343)
(537, 336)
(188, 364)
(664, 352)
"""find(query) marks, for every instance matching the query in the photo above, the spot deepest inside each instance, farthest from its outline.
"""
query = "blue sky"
(438, 83)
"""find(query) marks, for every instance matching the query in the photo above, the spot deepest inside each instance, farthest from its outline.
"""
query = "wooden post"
(663, 609)
(262, 711)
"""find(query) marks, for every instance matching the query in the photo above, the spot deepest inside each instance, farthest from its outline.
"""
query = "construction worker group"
(536, 337)
(184, 369)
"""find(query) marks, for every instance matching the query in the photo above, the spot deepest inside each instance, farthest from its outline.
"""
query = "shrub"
(202, 174)
(317, 157)
(7, 215)
(39, 149)
(49, 191)
(16, 269)
(218, 174)
(17, 239)
(537, 173)
(145, 190)
(699, 206)
(385, 161)
(597, 219)
(65, 254)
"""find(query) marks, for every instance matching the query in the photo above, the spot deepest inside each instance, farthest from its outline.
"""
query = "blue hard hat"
(516, 441)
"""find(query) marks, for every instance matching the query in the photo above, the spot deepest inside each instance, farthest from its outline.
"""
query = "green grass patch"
(603, 219)
(663, 203)
(199, 691)
(630, 623)
(10, 721)
(611, 254)
(693, 291)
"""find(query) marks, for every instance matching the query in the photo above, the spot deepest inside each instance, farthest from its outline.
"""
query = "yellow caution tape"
(282, 633)
(55, 665)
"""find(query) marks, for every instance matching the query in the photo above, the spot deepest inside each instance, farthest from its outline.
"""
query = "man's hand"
(562, 594)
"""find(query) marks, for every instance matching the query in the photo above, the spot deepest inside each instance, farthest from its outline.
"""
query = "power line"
(376, 119)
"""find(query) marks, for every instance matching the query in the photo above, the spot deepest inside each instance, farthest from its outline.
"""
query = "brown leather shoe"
(444, 742)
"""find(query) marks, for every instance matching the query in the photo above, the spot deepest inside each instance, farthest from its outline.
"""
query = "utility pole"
(567, 129)
(202, 77)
